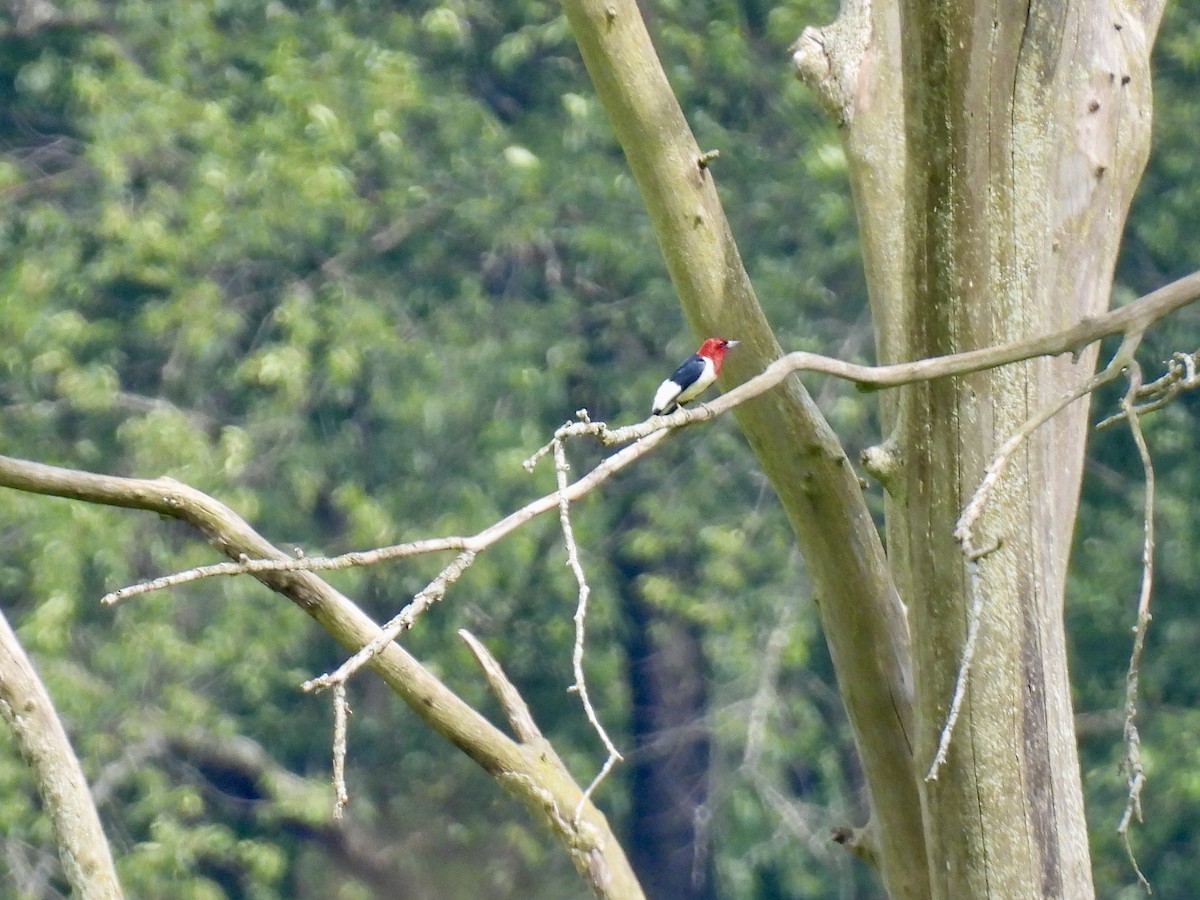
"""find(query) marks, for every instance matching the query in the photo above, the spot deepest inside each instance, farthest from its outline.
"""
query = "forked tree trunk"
(993, 153)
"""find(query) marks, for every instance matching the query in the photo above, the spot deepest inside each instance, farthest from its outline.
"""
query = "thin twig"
(300, 563)
(963, 529)
(475, 543)
(341, 711)
(974, 615)
(402, 621)
(964, 533)
(1180, 376)
(436, 589)
(1135, 774)
(561, 467)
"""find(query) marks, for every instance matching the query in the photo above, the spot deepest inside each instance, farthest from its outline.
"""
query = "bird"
(692, 378)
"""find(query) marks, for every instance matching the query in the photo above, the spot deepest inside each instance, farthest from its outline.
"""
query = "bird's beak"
(732, 343)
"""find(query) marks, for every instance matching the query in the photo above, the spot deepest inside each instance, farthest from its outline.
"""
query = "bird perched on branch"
(692, 377)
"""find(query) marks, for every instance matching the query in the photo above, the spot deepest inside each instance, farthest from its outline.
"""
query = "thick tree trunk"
(1010, 155)
(1026, 137)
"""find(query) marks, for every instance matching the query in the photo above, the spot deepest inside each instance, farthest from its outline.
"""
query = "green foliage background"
(344, 266)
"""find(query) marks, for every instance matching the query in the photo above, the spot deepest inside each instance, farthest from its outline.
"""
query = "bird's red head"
(714, 349)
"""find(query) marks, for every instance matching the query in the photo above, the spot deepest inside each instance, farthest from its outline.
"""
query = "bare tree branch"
(1135, 773)
(341, 711)
(26, 706)
(247, 565)
(549, 792)
(580, 686)
(511, 702)
(399, 623)
(1180, 376)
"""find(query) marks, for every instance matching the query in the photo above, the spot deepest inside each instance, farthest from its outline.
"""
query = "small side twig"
(511, 702)
(341, 710)
(963, 529)
(1135, 774)
(300, 563)
(402, 621)
(609, 436)
(974, 616)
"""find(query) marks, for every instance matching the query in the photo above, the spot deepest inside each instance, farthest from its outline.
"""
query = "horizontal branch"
(463, 544)
(1131, 319)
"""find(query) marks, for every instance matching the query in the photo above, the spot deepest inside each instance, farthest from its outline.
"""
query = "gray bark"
(1009, 157)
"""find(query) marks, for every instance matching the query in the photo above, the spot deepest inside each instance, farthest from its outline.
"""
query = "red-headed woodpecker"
(692, 377)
